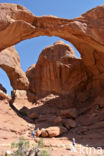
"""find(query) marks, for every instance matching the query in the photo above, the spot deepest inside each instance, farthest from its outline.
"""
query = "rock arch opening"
(4, 80)
(29, 50)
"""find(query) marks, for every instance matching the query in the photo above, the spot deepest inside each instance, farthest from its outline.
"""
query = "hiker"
(73, 142)
(33, 134)
(73, 145)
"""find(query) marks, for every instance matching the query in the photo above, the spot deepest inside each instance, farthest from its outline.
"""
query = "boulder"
(56, 131)
(38, 133)
(44, 132)
(51, 131)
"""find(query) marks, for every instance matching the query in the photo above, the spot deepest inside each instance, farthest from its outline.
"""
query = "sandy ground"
(12, 127)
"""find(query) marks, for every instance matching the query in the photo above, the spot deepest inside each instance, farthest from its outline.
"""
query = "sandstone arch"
(85, 33)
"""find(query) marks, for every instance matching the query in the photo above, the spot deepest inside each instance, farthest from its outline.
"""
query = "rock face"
(16, 18)
(21, 98)
(10, 63)
(58, 70)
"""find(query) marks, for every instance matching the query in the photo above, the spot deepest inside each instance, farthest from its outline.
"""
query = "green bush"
(41, 143)
(45, 153)
(21, 147)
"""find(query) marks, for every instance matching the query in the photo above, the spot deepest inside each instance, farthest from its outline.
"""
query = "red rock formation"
(83, 32)
(4, 96)
(86, 34)
(51, 131)
(58, 70)
(10, 63)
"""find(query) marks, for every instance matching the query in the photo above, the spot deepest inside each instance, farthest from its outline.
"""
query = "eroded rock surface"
(58, 70)
(10, 63)
(79, 30)
(22, 98)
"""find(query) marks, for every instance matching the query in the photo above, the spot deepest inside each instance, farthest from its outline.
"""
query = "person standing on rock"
(33, 134)
(73, 145)
(73, 142)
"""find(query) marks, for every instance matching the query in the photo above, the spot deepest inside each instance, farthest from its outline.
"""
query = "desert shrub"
(41, 143)
(44, 153)
(21, 147)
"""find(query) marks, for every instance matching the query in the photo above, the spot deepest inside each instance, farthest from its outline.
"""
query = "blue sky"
(29, 50)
